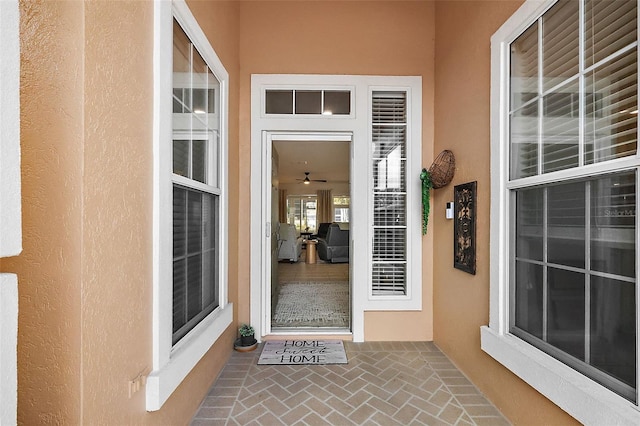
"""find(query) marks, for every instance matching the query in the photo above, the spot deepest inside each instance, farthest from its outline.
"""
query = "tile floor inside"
(384, 383)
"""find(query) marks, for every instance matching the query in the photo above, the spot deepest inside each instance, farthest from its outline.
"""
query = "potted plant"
(247, 335)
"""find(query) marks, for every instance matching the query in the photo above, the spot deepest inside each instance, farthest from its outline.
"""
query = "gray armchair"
(334, 247)
(322, 231)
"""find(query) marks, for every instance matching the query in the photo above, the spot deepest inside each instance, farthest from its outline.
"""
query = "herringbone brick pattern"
(383, 384)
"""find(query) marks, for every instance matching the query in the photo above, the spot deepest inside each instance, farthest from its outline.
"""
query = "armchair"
(322, 231)
(334, 247)
(289, 244)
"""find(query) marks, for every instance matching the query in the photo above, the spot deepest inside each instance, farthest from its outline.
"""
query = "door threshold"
(309, 334)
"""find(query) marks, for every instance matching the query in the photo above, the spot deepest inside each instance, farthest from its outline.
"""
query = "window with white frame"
(341, 208)
(307, 102)
(196, 194)
(389, 137)
(564, 257)
(301, 212)
(190, 202)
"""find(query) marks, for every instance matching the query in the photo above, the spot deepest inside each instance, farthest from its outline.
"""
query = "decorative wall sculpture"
(464, 238)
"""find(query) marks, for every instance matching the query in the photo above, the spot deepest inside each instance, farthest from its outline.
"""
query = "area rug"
(303, 352)
(312, 304)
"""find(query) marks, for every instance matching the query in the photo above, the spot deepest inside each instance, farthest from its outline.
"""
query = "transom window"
(572, 187)
(307, 102)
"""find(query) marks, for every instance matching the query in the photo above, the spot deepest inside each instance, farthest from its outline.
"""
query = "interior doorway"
(311, 244)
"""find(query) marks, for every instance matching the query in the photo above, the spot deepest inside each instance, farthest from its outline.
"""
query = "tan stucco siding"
(85, 275)
(461, 301)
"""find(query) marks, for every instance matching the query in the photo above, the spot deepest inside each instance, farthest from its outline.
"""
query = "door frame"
(268, 136)
(358, 124)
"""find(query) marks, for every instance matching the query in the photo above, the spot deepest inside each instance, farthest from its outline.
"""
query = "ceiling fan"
(307, 181)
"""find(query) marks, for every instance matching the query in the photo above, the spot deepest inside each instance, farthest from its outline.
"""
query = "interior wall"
(85, 274)
(341, 37)
(461, 300)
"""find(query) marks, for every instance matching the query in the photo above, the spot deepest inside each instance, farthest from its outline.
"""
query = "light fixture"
(307, 181)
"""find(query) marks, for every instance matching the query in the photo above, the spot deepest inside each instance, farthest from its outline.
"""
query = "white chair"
(289, 244)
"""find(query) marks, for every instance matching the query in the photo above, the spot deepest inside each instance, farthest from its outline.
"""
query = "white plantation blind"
(574, 94)
(609, 27)
(389, 136)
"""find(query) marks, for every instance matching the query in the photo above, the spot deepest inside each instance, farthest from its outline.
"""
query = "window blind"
(609, 27)
(389, 135)
(546, 110)
(194, 260)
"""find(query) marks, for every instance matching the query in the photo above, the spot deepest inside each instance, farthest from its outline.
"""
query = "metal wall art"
(464, 234)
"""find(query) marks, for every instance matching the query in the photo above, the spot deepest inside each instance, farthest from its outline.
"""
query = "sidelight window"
(389, 134)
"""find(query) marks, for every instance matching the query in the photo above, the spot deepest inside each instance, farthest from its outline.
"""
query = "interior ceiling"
(323, 160)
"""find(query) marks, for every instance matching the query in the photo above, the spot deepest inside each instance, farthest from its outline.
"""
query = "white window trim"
(581, 397)
(171, 364)
(10, 207)
(358, 124)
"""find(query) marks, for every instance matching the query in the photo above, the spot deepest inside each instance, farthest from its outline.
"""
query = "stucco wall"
(461, 301)
(49, 268)
(85, 277)
(342, 37)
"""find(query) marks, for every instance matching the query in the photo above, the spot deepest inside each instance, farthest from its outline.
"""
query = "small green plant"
(246, 330)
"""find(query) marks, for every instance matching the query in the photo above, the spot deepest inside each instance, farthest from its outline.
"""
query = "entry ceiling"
(323, 160)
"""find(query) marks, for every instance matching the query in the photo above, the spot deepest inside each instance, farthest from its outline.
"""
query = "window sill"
(582, 398)
(162, 382)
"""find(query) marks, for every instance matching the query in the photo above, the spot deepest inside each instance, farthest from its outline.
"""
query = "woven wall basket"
(442, 169)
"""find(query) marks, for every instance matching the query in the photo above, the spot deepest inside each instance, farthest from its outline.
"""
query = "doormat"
(302, 352)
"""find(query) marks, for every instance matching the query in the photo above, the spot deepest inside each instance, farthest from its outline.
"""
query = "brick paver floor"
(384, 383)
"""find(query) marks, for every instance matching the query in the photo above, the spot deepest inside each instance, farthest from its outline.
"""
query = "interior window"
(301, 213)
(341, 208)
